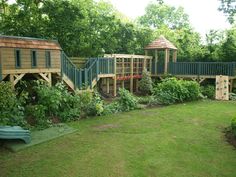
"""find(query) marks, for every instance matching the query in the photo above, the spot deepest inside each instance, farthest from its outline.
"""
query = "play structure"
(222, 88)
(15, 132)
(22, 57)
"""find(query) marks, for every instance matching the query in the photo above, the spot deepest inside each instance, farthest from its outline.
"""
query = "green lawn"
(184, 140)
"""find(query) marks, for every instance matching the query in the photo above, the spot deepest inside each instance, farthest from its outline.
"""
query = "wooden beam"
(44, 76)
(137, 85)
(18, 78)
(128, 56)
(231, 85)
(201, 80)
(50, 79)
(131, 74)
(30, 71)
(166, 61)
(108, 85)
(12, 80)
(114, 79)
(175, 56)
(156, 60)
(123, 72)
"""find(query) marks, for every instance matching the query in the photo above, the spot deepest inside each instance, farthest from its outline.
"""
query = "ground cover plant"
(174, 141)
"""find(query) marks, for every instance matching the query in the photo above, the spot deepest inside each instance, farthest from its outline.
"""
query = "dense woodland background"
(86, 28)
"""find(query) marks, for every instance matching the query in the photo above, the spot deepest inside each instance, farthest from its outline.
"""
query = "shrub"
(37, 117)
(69, 104)
(11, 111)
(111, 108)
(145, 84)
(126, 100)
(144, 100)
(91, 104)
(50, 97)
(172, 91)
(208, 91)
(233, 126)
(193, 90)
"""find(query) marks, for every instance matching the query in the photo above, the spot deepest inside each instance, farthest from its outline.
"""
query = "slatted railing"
(83, 78)
(202, 68)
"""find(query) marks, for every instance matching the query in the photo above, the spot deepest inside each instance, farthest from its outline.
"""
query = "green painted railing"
(202, 68)
(83, 78)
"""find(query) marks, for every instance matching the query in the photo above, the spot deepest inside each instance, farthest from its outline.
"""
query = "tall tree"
(229, 8)
(160, 14)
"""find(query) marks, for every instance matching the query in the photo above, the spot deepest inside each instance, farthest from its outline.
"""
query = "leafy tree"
(229, 46)
(229, 8)
(160, 14)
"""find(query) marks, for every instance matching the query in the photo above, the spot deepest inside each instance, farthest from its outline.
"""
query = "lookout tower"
(159, 45)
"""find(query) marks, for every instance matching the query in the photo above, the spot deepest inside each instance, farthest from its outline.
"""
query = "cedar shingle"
(161, 43)
(29, 43)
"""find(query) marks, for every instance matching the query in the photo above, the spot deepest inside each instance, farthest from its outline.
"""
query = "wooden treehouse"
(22, 57)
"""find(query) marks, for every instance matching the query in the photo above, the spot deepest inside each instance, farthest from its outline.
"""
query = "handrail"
(85, 76)
(202, 68)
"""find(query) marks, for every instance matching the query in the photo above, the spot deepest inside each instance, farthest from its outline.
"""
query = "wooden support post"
(166, 61)
(12, 80)
(17, 78)
(50, 79)
(175, 56)
(231, 85)
(47, 77)
(114, 79)
(155, 63)
(108, 85)
(123, 72)
(137, 86)
(145, 61)
(131, 74)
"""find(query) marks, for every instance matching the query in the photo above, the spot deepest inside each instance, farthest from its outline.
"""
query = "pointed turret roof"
(160, 43)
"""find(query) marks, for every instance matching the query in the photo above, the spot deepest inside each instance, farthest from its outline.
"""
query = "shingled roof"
(160, 43)
(28, 43)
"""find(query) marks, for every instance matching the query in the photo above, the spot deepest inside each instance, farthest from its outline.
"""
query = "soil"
(230, 137)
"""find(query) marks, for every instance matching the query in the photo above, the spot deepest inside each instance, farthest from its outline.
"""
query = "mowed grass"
(185, 140)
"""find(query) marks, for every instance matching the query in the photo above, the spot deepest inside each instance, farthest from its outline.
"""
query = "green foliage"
(126, 100)
(161, 14)
(69, 109)
(172, 91)
(232, 96)
(50, 97)
(144, 99)
(145, 84)
(11, 111)
(111, 108)
(233, 126)
(208, 91)
(36, 116)
(229, 8)
(91, 103)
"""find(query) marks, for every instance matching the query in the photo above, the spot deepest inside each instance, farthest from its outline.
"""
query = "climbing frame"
(222, 87)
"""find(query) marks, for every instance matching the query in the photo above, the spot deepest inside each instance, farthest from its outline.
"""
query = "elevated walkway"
(86, 78)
